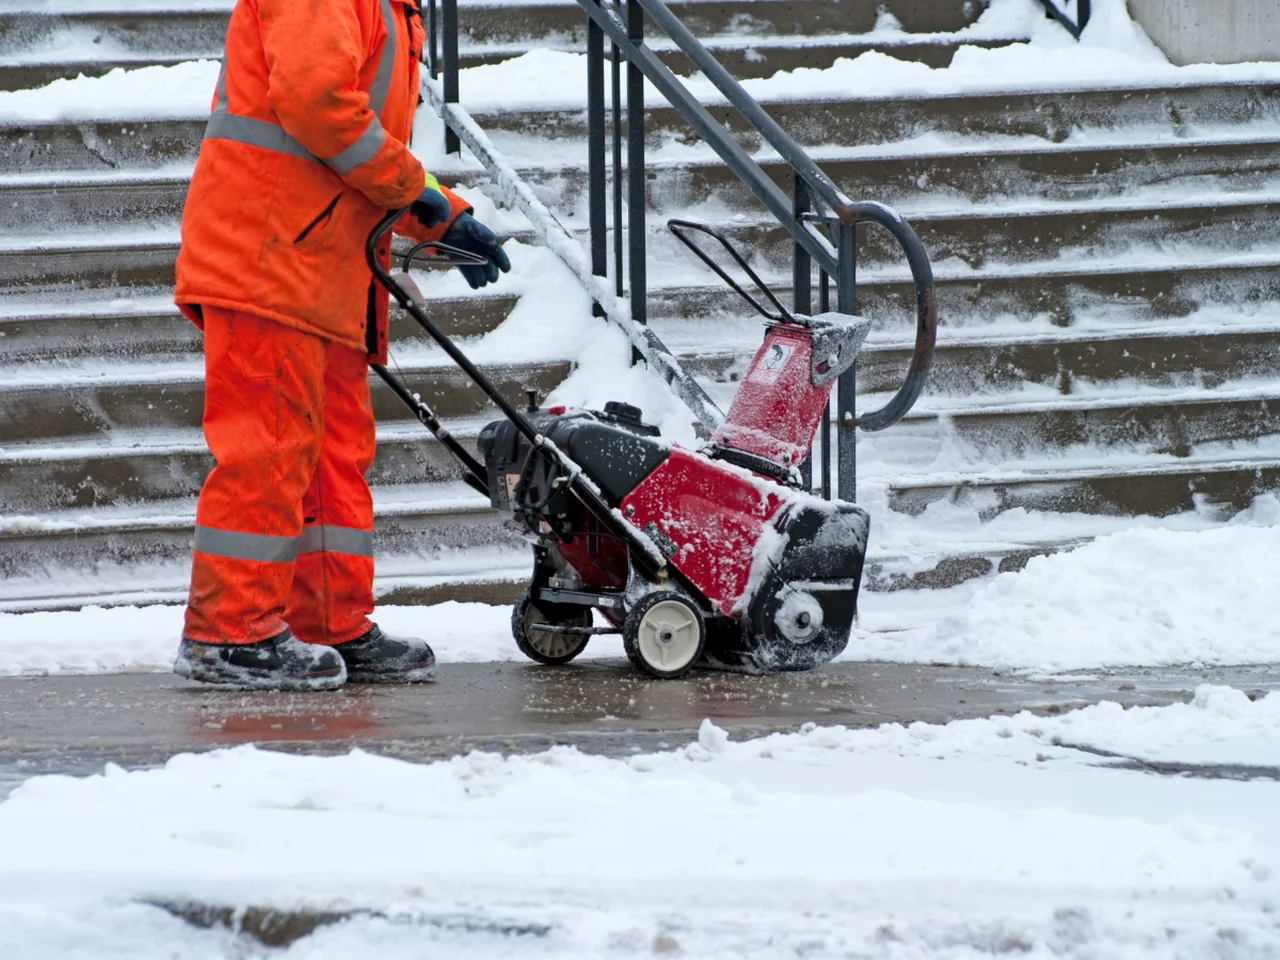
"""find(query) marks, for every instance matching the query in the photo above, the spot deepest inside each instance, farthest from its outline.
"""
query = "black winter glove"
(469, 234)
(431, 208)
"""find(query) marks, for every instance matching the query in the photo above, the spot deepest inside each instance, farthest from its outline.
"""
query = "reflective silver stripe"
(245, 546)
(254, 133)
(381, 85)
(362, 151)
(224, 125)
(323, 539)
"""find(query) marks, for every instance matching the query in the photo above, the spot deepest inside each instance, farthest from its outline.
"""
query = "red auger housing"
(760, 575)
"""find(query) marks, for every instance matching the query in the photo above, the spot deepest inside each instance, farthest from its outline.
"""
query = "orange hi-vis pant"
(284, 528)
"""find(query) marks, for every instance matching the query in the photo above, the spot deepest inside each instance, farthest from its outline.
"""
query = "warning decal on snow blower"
(772, 363)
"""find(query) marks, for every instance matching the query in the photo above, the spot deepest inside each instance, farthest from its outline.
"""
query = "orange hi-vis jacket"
(305, 151)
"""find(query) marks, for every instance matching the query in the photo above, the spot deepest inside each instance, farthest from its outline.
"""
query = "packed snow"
(978, 838)
(1148, 596)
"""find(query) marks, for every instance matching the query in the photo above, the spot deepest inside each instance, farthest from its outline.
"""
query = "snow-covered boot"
(378, 658)
(281, 663)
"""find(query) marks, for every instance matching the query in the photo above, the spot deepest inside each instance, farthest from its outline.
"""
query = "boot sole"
(413, 675)
(202, 672)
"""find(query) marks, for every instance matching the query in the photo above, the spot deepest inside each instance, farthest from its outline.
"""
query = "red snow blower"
(716, 557)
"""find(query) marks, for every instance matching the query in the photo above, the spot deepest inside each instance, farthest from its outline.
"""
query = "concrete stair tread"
(1113, 466)
(393, 501)
(1044, 401)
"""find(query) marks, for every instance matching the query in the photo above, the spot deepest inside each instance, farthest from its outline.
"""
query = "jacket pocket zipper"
(324, 215)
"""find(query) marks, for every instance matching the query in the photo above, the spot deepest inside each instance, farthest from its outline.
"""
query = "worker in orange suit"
(304, 153)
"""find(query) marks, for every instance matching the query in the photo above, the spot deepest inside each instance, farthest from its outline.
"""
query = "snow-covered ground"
(1140, 597)
(1002, 837)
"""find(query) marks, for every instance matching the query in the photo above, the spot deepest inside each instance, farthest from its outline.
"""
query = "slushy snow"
(1145, 597)
(975, 839)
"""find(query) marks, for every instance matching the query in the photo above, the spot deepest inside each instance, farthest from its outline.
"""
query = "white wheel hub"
(668, 635)
(799, 617)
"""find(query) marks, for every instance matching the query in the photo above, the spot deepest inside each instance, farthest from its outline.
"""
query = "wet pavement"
(75, 724)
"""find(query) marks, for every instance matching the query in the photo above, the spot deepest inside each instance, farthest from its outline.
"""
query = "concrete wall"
(1212, 31)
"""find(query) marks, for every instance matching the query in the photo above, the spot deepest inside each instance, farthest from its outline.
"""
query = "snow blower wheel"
(664, 635)
(545, 646)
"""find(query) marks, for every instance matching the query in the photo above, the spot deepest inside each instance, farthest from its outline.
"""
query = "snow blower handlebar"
(401, 287)
(682, 228)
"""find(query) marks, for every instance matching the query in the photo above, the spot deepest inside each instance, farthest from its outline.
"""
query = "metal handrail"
(812, 230)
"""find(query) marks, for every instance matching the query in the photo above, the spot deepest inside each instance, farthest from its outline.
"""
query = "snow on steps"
(1108, 373)
(45, 42)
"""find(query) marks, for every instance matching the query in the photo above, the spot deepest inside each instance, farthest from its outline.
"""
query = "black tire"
(648, 620)
(552, 649)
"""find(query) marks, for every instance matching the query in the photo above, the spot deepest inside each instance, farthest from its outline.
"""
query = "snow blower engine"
(717, 557)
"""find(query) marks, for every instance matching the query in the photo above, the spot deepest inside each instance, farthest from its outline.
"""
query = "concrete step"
(197, 30)
(1156, 171)
(745, 58)
(975, 170)
(154, 465)
(441, 520)
(149, 327)
(1142, 114)
(67, 406)
(855, 121)
(1126, 293)
(1019, 231)
(1158, 486)
(1001, 430)
(1165, 356)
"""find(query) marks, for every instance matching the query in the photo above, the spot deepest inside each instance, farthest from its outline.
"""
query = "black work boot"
(378, 658)
(281, 663)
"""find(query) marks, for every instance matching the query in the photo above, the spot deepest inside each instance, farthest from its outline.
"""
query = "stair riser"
(1206, 360)
(1053, 116)
(1181, 360)
(1099, 237)
(904, 182)
(107, 146)
(171, 33)
(100, 147)
(1175, 428)
(745, 63)
(1142, 296)
(168, 337)
(1159, 495)
(907, 182)
(196, 33)
(37, 486)
(64, 556)
(52, 412)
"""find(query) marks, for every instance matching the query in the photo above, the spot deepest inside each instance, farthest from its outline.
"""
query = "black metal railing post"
(449, 27)
(596, 201)
(635, 167)
(801, 289)
(433, 41)
(846, 385)
(616, 76)
(824, 306)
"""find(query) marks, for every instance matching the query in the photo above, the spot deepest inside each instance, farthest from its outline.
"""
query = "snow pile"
(1139, 597)
(974, 839)
(184, 91)
(1143, 597)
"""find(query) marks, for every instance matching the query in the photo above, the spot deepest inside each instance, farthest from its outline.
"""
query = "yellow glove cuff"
(430, 182)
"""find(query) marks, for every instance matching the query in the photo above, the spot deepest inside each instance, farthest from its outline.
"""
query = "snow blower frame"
(716, 557)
